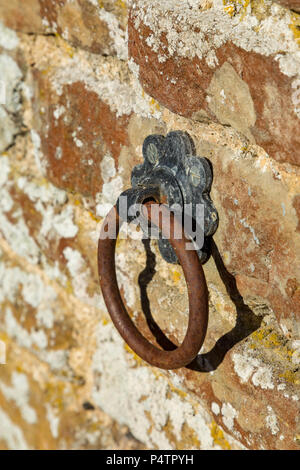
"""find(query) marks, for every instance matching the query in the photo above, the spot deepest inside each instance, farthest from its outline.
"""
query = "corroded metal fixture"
(171, 174)
(197, 291)
(174, 175)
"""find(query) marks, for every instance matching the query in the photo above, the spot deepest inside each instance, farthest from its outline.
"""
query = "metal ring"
(196, 285)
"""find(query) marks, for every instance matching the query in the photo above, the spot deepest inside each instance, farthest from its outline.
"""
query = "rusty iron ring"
(196, 285)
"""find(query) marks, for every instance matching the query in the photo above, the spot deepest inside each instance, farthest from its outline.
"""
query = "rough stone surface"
(78, 122)
(10, 104)
(227, 64)
(292, 4)
(75, 116)
(97, 26)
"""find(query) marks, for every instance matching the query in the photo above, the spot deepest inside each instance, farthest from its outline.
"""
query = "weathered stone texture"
(242, 77)
(292, 4)
(95, 26)
(74, 121)
(78, 123)
(11, 76)
(42, 411)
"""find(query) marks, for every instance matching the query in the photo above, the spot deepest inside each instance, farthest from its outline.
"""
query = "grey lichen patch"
(56, 216)
(80, 276)
(118, 34)
(108, 77)
(11, 434)
(230, 100)
(156, 404)
(11, 80)
(112, 186)
(18, 392)
(123, 97)
(201, 30)
(17, 233)
(8, 38)
(27, 300)
(210, 28)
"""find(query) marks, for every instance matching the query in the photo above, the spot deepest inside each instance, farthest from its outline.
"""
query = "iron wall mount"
(172, 174)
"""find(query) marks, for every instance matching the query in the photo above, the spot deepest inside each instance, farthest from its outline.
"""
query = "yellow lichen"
(121, 4)
(65, 45)
(266, 335)
(188, 438)
(176, 276)
(3, 348)
(137, 359)
(54, 395)
(218, 436)
(120, 242)
(234, 7)
(259, 9)
(154, 105)
(94, 217)
(3, 336)
(269, 339)
(240, 7)
(105, 321)
(295, 26)
(151, 422)
(230, 10)
(290, 376)
(177, 390)
(69, 287)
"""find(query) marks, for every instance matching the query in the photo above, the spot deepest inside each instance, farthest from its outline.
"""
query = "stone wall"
(85, 81)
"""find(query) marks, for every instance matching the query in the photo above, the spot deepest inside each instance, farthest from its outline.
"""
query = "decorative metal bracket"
(172, 174)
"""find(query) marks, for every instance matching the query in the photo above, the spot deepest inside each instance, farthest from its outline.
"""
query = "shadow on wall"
(246, 323)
